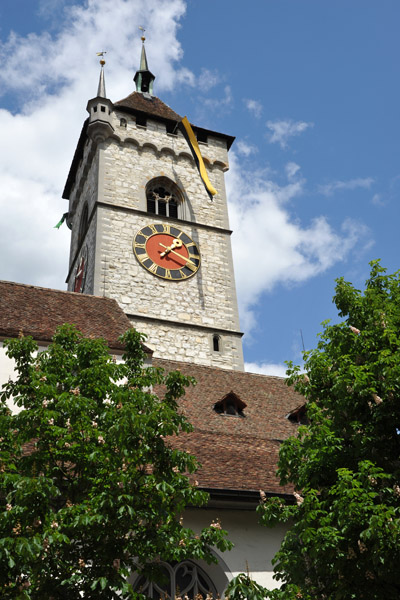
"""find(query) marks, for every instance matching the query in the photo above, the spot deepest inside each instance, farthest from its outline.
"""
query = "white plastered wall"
(7, 371)
(254, 545)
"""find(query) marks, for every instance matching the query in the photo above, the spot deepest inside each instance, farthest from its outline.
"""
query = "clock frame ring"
(166, 251)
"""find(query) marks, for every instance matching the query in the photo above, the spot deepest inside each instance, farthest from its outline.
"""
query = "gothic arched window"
(177, 579)
(163, 197)
(84, 222)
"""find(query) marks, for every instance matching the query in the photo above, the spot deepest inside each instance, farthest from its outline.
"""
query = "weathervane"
(102, 61)
(142, 29)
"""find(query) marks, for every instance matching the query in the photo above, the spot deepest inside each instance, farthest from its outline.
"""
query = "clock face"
(167, 252)
(80, 275)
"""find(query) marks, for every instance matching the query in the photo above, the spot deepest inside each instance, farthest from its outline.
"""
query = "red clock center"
(158, 244)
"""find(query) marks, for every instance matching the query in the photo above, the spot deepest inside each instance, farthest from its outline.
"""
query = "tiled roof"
(150, 105)
(237, 453)
(38, 311)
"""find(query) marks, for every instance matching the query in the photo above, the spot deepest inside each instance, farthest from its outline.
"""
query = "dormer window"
(299, 415)
(230, 405)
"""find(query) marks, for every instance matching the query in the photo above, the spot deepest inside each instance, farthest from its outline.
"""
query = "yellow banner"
(194, 146)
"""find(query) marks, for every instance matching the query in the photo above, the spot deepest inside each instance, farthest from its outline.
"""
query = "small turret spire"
(143, 58)
(144, 79)
(101, 90)
(100, 110)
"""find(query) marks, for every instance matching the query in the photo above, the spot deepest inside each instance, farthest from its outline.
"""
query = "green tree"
(343, 540)
(89, 489)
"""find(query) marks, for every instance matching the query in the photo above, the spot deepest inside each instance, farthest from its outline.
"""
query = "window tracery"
(177, 579)
(163, 197)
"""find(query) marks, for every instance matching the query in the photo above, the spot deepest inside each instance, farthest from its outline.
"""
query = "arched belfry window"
(231, 405)
(177, 579)
(163, 197)
(83, 224)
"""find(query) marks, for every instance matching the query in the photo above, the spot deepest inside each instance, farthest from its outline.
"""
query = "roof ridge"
(47, 289)
(233, 371)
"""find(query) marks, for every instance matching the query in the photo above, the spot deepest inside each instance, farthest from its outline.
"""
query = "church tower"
(145, 231)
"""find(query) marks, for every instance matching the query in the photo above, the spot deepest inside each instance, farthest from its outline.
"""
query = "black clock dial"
(166, 251)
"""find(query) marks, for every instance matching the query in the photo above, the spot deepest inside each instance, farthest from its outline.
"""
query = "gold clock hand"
(189, 262)
(175, 244)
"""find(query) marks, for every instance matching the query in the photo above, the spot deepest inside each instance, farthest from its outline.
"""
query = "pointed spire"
(100, 109)
(144, 78)
(101, 90)
(143, 59)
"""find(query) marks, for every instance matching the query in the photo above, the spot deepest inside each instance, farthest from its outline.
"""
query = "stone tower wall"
(180, 318)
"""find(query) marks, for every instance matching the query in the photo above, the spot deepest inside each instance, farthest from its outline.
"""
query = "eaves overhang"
(241, 499)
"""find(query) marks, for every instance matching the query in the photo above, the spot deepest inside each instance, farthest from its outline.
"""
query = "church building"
(151, 248)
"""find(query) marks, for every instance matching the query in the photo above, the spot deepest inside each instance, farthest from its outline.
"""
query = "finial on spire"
(101, 90)
(144, 78)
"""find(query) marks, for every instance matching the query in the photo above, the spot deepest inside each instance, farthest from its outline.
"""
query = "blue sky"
(309, 88)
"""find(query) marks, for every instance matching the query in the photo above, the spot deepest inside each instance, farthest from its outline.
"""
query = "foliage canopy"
(344, 537)
(89, 489)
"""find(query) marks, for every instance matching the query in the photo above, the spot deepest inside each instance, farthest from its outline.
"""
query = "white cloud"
(217, 103)
(291, 169)
(270, 247)
(50, 9)
(329, 188)
(208, 79)
(282, 130)
(37, 63)
(266, 369)
(52, 76)
(244, 148)
(254, 107)
(377, 200)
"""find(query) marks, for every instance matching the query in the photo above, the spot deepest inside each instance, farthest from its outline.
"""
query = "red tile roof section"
(39, 311)
(238, 453)
(151, 106)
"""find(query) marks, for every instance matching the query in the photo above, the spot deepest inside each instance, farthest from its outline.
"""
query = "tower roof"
(150, 105)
